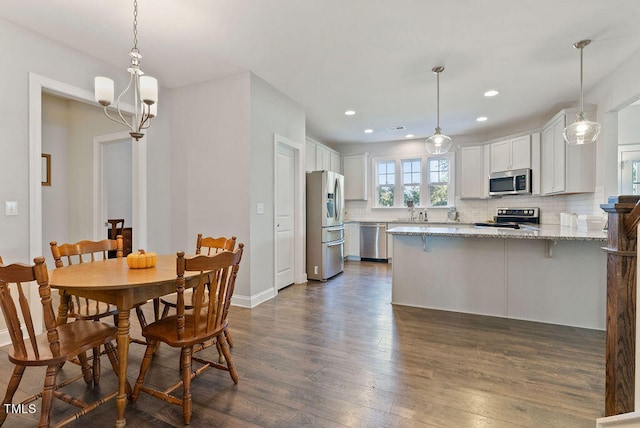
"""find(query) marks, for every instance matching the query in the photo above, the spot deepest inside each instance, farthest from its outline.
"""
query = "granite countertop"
(551, 232)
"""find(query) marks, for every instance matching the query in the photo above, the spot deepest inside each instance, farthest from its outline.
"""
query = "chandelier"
(582, 131)
(438, 143)
(145, 91)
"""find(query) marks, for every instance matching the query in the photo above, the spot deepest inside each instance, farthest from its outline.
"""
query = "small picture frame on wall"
(46, 169)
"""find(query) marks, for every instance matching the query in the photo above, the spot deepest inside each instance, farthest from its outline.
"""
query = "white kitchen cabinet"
(514, 153)
(352, 240)
(335, 162)
(473, 175)
(323, 158)
(355, 169)
(319, 157)
(565, 168)
(310, 156)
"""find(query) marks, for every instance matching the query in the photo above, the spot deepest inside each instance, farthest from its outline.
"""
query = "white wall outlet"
(315, 270)
(259, 208)
(11, 208)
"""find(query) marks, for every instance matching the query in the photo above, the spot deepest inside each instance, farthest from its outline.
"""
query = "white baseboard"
(252, 301)
(626, 420)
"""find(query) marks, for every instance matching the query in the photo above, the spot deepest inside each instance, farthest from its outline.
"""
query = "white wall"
(211, 167)
(30, 52)
(271, 113)
(222, 165)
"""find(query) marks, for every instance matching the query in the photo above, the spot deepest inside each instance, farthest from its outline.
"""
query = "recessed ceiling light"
(408, 136)
(350, 112)
(491, 93)
(368, 131)
(482, 119)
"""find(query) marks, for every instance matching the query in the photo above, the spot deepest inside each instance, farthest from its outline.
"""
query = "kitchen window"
(411, 181)
(425, 180)
(438, 173)
(385, 183)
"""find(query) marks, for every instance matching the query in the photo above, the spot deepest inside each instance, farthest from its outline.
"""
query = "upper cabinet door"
(511, 154)
(500, 156)
(472, 172)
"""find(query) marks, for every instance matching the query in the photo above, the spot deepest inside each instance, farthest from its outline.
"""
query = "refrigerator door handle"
(335, 243)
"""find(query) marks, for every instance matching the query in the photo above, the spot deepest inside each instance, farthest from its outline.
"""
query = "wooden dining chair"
(83, 308)
(51, 348)
(189, 328)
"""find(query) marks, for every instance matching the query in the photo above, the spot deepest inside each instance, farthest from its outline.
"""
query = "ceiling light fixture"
(491, 93)
(438, 143)
(145, 90)
(408, 136)
(582, 131)
(350, 112)
(482, 119)
(368, 131)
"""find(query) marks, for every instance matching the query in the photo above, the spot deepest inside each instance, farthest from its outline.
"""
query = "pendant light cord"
(438, 100)
(581, 90)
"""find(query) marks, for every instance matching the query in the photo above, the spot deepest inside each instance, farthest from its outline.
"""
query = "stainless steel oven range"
(514, 217)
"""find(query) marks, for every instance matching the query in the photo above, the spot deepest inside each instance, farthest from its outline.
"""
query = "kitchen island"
(550, 274)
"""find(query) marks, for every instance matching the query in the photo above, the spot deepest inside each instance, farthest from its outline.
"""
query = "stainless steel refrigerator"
(325, 224)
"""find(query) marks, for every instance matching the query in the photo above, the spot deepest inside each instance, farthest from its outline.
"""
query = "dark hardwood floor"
(339, 354)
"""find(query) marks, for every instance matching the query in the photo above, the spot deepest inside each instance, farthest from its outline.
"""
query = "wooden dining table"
(112, 281)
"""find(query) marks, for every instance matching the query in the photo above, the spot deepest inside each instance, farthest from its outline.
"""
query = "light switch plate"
(11, 208)
(259, 208)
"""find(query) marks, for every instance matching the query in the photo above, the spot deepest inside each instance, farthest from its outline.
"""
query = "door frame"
(139, 201)
(299, 274)
(37, 85)
(621, 149)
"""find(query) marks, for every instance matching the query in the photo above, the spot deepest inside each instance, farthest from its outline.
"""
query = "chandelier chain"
(135, 26)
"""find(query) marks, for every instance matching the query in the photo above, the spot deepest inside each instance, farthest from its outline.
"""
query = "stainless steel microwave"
(516, 182)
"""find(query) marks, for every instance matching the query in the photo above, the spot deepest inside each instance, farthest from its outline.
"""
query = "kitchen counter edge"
(549, 232)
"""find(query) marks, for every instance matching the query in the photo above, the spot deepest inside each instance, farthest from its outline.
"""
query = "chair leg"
(112, 353)
(14, 382)
(185, 360)
(165, 311)
(229, 338)
(96, 366)
(146, 363)
(47, 395)
(86, 370)
(227, 356)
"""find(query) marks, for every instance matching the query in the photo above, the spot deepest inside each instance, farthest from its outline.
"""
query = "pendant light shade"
(582, 131)
(438, 143)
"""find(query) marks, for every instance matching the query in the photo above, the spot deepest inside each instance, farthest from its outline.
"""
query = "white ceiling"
(373, 56)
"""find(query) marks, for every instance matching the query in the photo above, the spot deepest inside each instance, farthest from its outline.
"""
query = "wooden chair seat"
(93, 311)
(88, 334)
(165, 331)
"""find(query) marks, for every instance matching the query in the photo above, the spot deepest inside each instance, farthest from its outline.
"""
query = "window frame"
(398, 191)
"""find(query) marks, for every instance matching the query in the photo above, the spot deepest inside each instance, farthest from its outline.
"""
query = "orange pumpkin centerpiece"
(141, 260)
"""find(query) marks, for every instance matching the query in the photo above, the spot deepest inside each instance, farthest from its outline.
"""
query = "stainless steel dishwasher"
(373, 242)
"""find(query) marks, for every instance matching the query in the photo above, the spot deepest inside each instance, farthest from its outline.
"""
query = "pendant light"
(582, 131)
(145, 91)
(438, 143)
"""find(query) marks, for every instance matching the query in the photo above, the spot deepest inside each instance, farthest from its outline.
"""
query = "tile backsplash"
(476, 210)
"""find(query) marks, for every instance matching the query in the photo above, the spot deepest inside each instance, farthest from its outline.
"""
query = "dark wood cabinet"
(117, 228)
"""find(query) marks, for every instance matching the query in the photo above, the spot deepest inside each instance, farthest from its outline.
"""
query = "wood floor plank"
(339, 354)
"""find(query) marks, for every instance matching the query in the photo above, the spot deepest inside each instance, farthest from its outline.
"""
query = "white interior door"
(117, 183)
(629, 171)
(284, 215)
